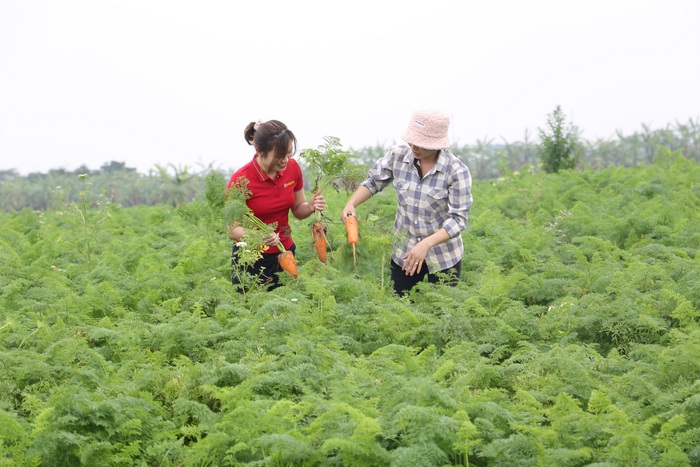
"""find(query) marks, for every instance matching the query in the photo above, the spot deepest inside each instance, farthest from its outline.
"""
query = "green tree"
(559, 147)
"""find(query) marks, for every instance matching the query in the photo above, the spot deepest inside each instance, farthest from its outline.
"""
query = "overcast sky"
(159, 82)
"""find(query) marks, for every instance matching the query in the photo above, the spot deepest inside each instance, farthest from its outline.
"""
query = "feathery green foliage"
(330, 165)
(572, 337)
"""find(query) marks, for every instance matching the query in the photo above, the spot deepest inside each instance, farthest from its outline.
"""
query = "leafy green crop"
(330, 165)
(572, 337)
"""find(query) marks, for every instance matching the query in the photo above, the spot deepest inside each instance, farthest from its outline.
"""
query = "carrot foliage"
(331, 165)
(571, 338)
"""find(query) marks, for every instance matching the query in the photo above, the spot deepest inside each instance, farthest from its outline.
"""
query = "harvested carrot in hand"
(351, 227)
(318, 230)
(286, 258)
(353, 236)
(288, 262)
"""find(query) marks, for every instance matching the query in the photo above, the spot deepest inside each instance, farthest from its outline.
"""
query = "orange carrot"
(351, 227)
(353, 237)
(318, 230)
(288, 263)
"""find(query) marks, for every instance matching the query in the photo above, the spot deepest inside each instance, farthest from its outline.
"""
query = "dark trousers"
(403, 283)
(266, 269)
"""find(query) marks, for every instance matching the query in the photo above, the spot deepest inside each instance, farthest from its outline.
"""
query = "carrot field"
(572, 338)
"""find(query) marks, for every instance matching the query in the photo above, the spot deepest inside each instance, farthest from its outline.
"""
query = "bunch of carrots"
(286, 258)
(330, 165)
(235, 210)
(319, 231)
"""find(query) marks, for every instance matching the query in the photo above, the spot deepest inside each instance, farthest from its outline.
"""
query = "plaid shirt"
(441, 199)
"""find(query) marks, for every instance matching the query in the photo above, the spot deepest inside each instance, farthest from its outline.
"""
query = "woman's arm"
(303, 209)
(380, 175)
(235, 231)
(361, 195)
(413, 259)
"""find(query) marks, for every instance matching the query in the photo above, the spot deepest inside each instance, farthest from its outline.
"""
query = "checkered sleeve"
(381, 174)
(459, 203)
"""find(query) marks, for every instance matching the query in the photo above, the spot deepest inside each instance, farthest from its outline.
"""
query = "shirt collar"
(440, 163)
(262, 175)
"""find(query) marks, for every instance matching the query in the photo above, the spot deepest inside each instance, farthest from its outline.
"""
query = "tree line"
(487, 158)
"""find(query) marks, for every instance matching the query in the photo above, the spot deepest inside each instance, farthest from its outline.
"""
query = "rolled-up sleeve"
(459, 199)
(381, 174)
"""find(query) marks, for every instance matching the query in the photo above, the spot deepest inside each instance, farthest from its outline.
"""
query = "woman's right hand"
(361, 195)
(348, 211)
(272, 239)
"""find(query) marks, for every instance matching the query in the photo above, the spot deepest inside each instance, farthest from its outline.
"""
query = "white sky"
(159, 82)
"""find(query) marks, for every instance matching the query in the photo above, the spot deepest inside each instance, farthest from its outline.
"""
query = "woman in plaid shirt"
(433, 191)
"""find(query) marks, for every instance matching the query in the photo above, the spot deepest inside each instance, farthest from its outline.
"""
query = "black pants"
(266, 269)
(403, 283)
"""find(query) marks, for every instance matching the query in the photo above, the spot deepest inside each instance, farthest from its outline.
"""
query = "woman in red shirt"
(276, 187)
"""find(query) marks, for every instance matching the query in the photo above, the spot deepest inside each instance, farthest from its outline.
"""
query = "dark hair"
(271, 135)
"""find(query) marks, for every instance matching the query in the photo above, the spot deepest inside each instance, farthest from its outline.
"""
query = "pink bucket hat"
(428, 129)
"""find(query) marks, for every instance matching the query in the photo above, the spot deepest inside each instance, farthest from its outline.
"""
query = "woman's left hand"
(271, 239)
(318, 201)
(413, 260)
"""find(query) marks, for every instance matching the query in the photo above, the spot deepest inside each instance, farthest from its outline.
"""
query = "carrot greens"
(571, 338)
